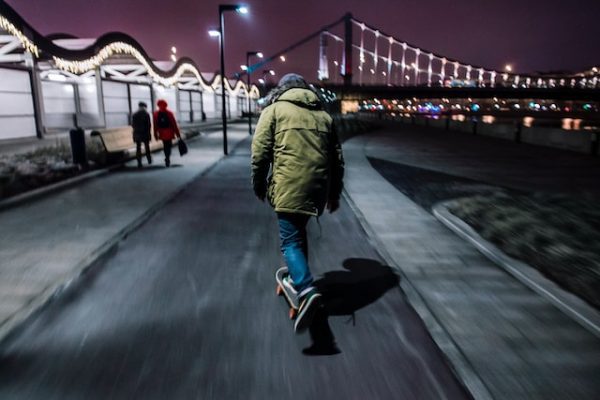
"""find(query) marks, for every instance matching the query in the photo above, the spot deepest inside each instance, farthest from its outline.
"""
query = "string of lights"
(80, 67)
(482, 76)
(27, 44)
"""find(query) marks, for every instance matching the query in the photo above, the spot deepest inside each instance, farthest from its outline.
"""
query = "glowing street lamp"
(282, 58)
(266, 73)
(508, 68)
(240, 9)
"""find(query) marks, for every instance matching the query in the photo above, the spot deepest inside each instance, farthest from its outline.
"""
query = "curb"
(34, 194)
(571, 305)
(458, 363)
(16, 322)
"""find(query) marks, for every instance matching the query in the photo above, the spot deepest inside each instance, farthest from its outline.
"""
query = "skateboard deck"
(290, 296)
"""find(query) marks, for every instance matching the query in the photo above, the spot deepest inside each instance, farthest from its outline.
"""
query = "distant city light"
(244, 67)
(214, 33)
(261, 81)
(282, 58)
(242, 10)
(173, 57)
(174, 50)
(271, 72)
(259, 55)
(336, 63)
(508, 68)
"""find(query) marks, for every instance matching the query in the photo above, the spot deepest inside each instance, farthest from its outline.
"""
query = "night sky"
(532, 35)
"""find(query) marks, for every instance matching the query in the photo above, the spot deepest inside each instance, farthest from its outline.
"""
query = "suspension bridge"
(364, 55)
(65, 81)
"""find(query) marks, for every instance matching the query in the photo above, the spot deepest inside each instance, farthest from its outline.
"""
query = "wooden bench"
(118, 143)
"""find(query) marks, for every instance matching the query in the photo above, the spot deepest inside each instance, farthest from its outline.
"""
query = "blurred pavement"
(183, 306)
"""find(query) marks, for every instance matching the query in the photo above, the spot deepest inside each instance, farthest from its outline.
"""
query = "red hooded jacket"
(165, 133)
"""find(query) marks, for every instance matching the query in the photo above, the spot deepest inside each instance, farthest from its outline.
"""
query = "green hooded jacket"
(295, 140)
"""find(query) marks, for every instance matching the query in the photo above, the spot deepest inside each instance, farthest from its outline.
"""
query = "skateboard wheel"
(279, 290)
(293, 313)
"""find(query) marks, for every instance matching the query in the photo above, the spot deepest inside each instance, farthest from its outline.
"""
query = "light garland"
(418, 51)
(80, 67)
(27, 44)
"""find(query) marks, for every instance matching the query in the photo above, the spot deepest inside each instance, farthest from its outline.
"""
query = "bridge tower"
(347, 61)
(323, 62)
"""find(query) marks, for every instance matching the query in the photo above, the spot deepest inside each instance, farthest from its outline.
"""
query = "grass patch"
(20, 173)
(557, 234)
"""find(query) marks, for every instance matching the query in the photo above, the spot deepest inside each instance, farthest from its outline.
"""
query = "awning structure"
(49, 83)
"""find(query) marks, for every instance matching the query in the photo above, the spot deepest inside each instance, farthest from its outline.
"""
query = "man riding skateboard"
(296, 141)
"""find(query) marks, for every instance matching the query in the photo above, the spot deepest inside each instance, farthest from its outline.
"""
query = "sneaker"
(309, 305)
(289, 285)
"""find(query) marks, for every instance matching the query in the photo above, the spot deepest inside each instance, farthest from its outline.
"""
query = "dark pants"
(138, 152)
(167, 146)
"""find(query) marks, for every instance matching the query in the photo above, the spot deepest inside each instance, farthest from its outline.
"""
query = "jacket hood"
(162, 104)
(302, 97)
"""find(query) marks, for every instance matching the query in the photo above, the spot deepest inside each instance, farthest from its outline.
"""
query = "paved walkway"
(45, 243)
(506, 341)
(133, 326)
(26, 145)
(185, 308)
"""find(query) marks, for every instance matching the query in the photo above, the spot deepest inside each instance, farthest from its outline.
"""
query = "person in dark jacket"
(140, 121)
(297, 164)
(165, 128)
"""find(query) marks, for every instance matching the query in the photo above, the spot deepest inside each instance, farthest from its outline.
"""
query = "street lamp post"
(222, 8)
(265, 73)
(248, 72)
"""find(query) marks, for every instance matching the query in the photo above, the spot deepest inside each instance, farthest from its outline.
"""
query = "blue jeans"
(294, 246)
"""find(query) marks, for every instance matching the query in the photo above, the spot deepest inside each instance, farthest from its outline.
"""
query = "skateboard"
(290, 296)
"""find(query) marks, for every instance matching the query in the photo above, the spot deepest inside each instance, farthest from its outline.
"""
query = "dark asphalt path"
(462, 156)
(185, 308)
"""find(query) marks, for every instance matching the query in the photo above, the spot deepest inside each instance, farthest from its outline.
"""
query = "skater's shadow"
(345, 292)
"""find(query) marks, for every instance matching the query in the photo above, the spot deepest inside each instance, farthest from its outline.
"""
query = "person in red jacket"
(165, 128)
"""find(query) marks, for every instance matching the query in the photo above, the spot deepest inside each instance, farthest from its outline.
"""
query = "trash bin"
(77, 137)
